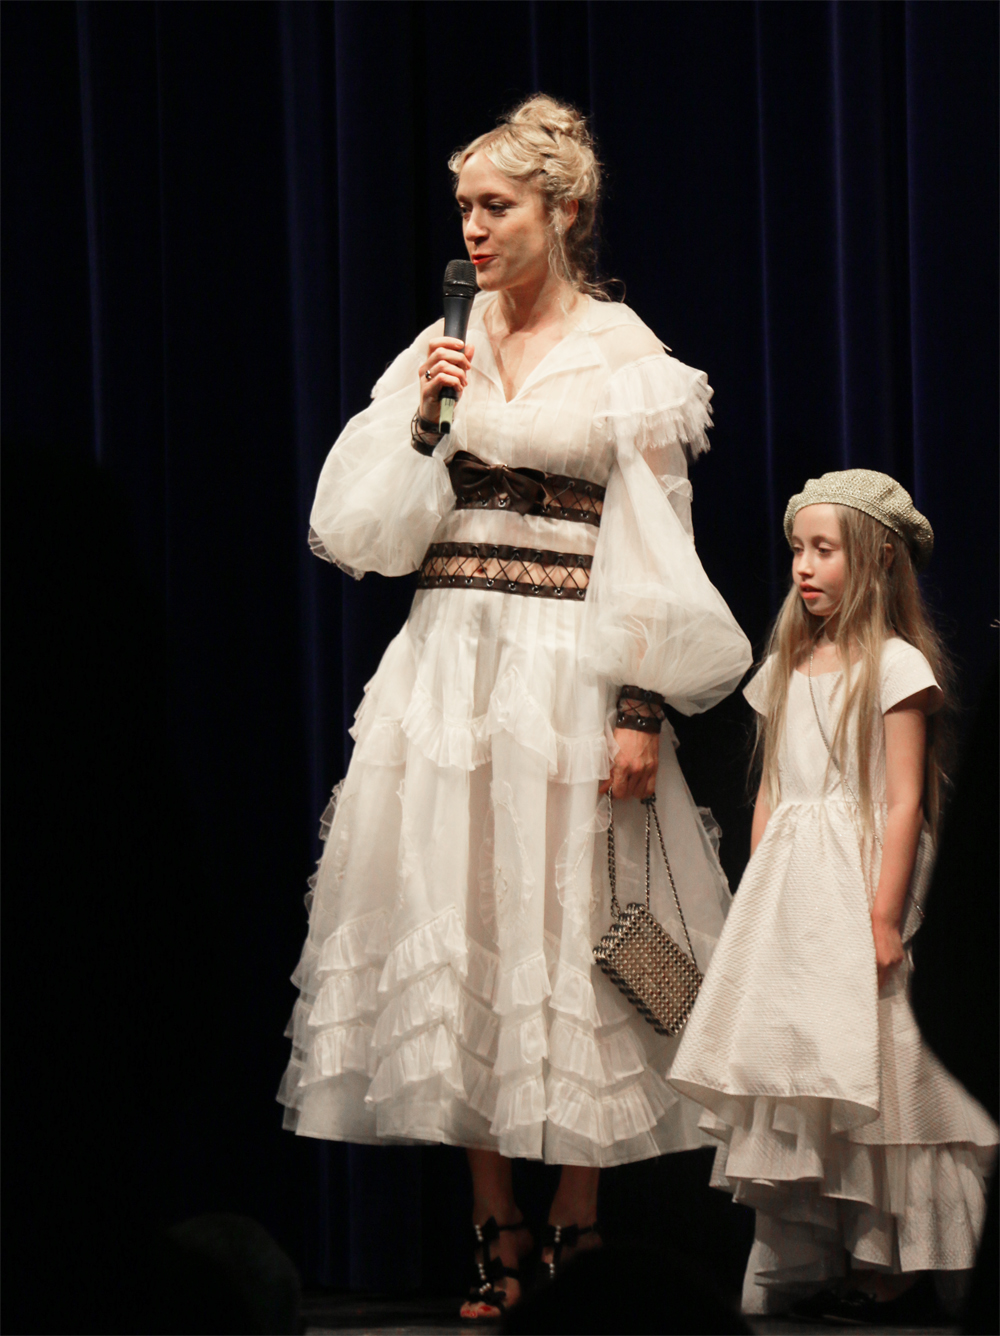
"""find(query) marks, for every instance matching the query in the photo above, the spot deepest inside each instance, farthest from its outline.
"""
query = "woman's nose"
(474, 226)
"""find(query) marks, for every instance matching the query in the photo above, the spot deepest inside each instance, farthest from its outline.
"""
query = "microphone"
(460, 287)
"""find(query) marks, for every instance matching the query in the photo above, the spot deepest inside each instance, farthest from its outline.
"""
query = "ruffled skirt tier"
(834, 1120)
(447, 988)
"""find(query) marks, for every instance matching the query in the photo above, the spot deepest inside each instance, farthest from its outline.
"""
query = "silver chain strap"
(650, 806)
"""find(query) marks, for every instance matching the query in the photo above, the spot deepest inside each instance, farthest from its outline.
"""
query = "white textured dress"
(837, 1123)
(447, 987)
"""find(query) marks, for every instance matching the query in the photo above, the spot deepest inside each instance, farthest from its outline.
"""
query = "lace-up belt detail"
(506, 570)
(482, 486)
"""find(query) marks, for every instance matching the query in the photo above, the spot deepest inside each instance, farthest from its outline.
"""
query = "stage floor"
(343, 1314)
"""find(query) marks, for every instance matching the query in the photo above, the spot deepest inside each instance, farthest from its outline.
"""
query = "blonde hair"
(548, 143)
(881, 598)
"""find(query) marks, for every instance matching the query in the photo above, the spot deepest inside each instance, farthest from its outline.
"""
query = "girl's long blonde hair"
(881, 598)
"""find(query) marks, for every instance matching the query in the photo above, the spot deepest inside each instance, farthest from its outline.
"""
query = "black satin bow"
(472, 477)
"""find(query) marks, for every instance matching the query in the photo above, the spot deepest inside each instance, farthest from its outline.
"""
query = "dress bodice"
(606, 404)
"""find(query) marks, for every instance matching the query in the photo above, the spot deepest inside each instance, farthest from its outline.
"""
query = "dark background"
(220, 222)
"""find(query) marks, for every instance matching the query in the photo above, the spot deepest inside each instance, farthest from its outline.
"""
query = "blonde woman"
(865, 1160)
(448, 991)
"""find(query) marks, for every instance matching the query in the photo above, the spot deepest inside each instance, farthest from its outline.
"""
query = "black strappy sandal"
(487, 1303)
(558, 1237)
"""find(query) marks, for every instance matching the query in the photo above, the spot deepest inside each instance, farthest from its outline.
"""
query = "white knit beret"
(877, 495)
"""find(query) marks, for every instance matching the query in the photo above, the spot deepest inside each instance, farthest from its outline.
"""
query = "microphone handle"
(456, 322)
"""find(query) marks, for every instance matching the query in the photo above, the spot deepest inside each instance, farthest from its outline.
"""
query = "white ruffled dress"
(448, 992)
(837, 1123)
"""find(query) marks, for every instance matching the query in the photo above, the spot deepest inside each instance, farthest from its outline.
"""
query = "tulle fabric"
(607, 405)
(447, 991)
(834, 1119)
(447, 985)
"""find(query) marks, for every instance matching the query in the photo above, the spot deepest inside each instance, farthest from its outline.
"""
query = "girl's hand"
(633, 771)
(448, 362)
(888, 948)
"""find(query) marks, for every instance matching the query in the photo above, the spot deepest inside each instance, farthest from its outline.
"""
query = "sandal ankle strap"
(565, 1236)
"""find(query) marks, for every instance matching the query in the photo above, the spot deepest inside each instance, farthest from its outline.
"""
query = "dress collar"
(576, 349)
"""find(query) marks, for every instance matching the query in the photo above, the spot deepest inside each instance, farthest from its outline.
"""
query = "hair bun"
(555, 117)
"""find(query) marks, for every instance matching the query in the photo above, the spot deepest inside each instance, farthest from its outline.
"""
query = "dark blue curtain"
(221, 222)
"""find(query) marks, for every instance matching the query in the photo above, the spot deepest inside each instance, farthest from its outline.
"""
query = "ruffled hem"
(441, 941)
(612, 1116)
(466, 744)
(358, 943)
(430, 1000)
(343, 997)
(894, 1208)
(348, 1048)
(819, 1193)
(603, 1061)
(433, 1026)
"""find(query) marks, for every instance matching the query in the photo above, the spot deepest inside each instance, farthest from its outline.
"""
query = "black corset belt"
(506, 570)
(482, 486)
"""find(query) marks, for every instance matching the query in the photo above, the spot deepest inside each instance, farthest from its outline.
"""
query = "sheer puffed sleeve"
(379, 501)
(653, 618)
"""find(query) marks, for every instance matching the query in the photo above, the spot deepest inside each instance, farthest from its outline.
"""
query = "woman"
(448, 986)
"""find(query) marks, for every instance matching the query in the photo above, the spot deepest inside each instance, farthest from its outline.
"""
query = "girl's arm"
(761, 816)
(905, 743)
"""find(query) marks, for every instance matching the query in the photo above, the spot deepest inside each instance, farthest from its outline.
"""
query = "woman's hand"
(888, 947)
(447, 363)
(633, 771)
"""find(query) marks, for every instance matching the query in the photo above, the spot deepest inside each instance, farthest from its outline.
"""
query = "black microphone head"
(460, 279)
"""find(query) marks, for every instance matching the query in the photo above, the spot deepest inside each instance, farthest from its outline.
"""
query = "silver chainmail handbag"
(640, 957)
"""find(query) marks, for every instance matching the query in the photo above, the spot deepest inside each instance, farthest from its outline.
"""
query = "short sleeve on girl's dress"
(904, 672)
(755, 690)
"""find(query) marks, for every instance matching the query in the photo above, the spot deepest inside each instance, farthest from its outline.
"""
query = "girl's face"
(505, 227)
(818, 566)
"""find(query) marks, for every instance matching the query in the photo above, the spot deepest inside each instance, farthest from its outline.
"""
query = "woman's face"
(505, 227)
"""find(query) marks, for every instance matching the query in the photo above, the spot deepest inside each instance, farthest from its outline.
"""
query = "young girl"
(865, 1160)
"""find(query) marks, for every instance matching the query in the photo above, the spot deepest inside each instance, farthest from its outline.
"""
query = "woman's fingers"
(448, 355)
(630, 782)
(445, 367)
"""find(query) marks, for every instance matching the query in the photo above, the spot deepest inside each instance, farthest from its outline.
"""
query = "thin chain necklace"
(826, 743)
(843, 779)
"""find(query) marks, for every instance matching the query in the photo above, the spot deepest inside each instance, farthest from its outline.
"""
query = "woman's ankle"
(575, 1202)
(503, 1211)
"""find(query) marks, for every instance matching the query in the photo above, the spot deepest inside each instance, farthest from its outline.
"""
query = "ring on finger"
(427, 374)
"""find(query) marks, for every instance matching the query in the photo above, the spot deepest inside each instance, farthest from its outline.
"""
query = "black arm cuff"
(424, 435)
(641, 710)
